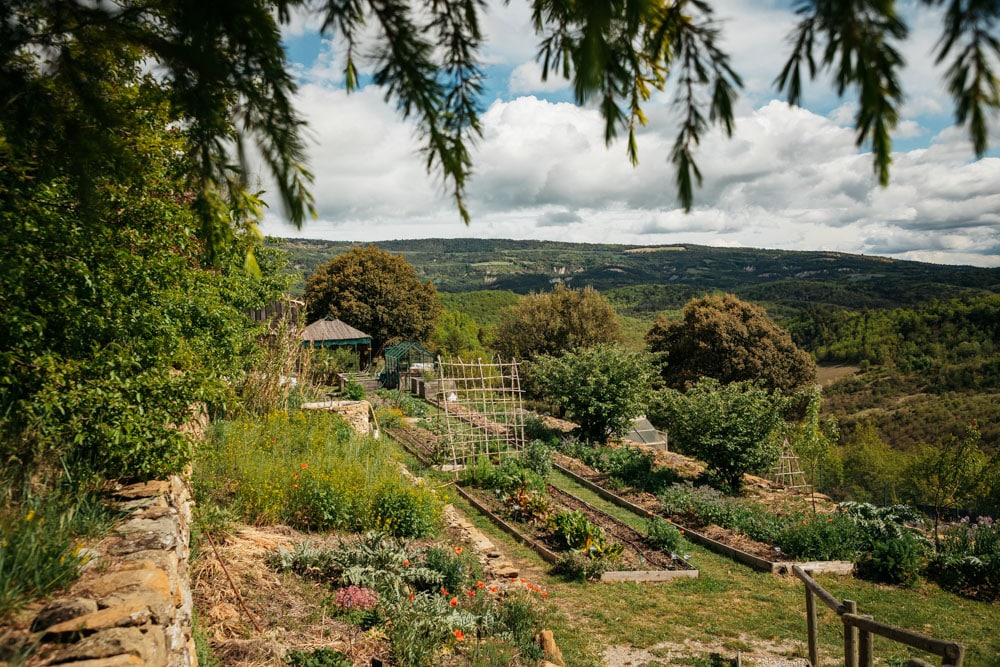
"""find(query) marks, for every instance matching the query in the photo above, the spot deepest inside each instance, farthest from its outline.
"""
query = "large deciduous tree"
(734, 428)
(603, 387)
(730, 340)
(555, 322)
(375, 291)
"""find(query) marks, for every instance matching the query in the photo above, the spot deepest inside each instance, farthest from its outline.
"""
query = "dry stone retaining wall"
(133, 604)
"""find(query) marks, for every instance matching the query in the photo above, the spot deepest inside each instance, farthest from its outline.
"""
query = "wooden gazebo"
(331, 332)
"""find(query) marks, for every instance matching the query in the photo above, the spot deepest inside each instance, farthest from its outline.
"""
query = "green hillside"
(926, 335)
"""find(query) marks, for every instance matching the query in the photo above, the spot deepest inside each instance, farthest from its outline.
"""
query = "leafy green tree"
(375, 291)
(555, 322)
(813, 440)
(735, 428)
(952, 475)
(603, 387)
(457, 335)
(873, 471)
(728, 339)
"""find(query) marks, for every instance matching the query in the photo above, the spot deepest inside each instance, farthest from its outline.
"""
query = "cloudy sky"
(789, 178)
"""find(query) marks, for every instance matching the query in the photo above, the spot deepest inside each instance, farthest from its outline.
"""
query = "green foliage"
(376, 292)
(894, 560)
(319, 657)
(537, 457)
(579, 533)
(967, 559)
(625, 466)
(834, 537)
(407, 403)
(520, 489)
(703, 506)
(458, 335)
(113, 327)
(310, 470)
(551, 323)
(872, 470)
(733, 427)
(951, 475)
(603, 387)
(664, 535)
(459, 571)
(353, 391)
(813, 441)
(40, 548)
(730, 340)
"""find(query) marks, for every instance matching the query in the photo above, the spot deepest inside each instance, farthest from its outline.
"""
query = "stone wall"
(133, 605)
(354, 413)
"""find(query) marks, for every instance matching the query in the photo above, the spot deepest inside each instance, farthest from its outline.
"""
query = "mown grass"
(738, 607)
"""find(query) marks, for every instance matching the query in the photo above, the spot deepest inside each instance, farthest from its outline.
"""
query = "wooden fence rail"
(859, 631)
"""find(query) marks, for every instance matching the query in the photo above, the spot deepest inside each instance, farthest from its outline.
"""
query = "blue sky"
(789, 178)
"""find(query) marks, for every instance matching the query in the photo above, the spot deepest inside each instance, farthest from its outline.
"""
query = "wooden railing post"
(811, 627)
(850, 637)
(954, 655)
(866, 657)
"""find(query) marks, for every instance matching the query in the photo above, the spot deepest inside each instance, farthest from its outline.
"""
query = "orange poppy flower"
(453, 602)
(459, 635)
(458, 550)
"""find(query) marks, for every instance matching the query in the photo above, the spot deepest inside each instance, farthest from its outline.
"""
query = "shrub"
(406, 511)
(353, 391)
(967, 560)
(894, 560)
(834, 537)
(537, 457)
(664, 535)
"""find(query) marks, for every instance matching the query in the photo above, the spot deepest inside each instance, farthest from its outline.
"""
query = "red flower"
(471, 593)
(305, 465)
(544, 594)
(493, 589)
(458, 550)
(479, 584)
(411, 597)
(406, 563)
(459, 635)
(453, 602)
(443, 591)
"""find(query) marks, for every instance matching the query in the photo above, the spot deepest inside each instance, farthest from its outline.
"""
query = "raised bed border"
(551, 557)
(755, 562)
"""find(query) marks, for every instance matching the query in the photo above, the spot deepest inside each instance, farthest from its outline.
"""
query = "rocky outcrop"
(132, 605)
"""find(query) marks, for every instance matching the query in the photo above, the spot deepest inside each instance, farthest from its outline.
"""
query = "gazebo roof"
(332, 331)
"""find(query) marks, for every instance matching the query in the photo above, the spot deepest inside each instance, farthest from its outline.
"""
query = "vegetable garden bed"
(761, 557)
(640, 561)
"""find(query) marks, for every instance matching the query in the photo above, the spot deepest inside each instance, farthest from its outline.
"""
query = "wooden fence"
(859, 631)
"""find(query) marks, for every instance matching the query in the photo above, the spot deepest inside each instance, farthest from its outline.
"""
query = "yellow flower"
(30, 515)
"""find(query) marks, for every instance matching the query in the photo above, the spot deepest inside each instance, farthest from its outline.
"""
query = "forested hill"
(927, 335)
(645, 279)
